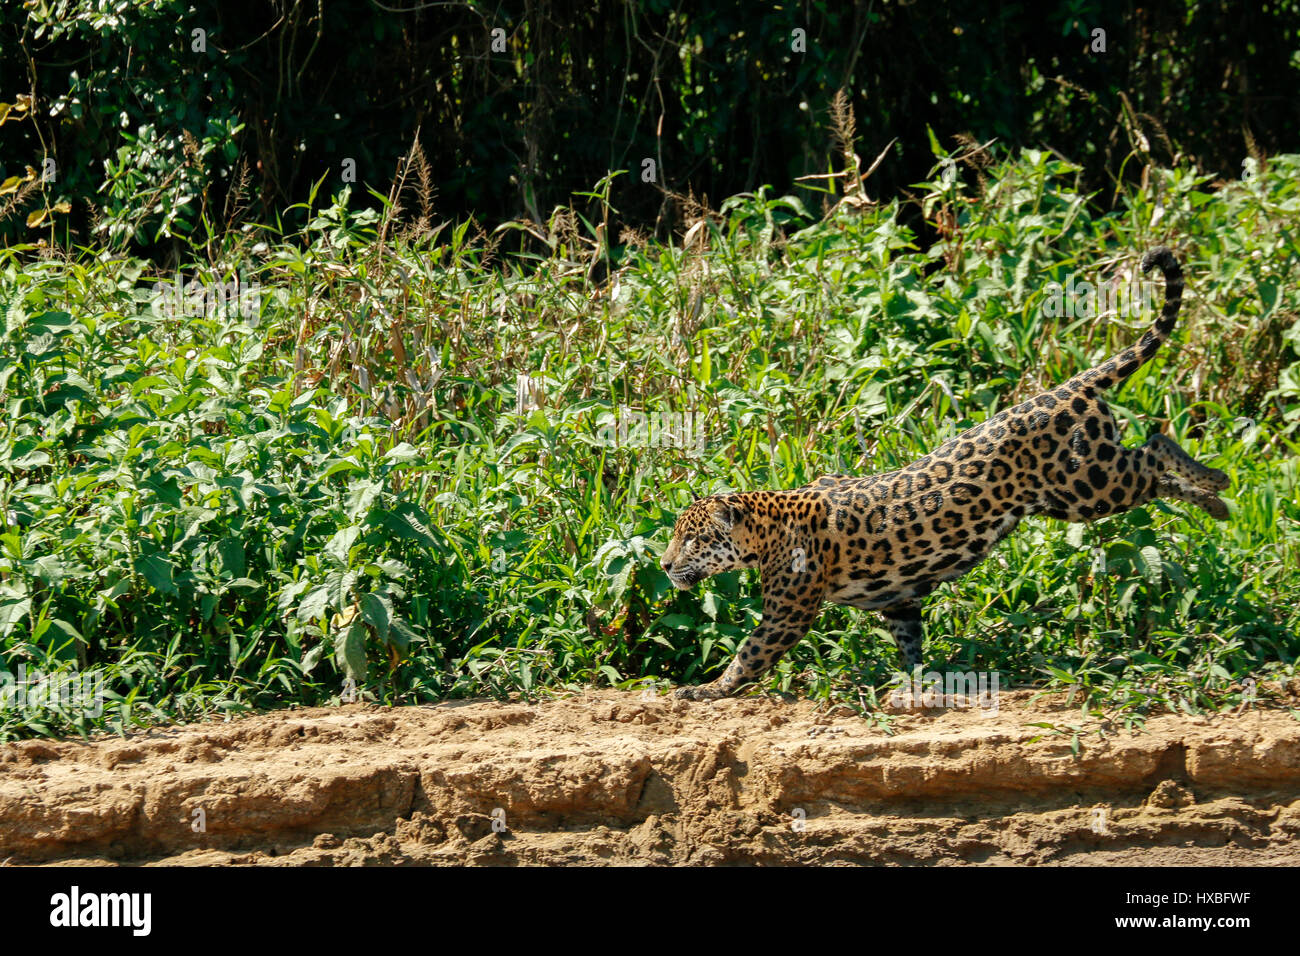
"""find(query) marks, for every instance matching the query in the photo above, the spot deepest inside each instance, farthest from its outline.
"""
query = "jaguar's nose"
(665, 564)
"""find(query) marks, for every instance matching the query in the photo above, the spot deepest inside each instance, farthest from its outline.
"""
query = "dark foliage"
(156, 125)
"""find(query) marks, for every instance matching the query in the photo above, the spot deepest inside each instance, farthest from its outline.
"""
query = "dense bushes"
(413, 468)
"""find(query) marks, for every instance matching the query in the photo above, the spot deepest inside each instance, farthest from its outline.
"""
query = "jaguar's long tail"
(1114, 370)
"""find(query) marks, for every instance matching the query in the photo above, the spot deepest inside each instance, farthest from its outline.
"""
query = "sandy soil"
(613, 778)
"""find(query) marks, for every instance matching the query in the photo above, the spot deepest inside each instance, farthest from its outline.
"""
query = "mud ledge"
(611, 778)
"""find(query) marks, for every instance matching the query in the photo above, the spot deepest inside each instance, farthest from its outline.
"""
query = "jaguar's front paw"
(703, 692)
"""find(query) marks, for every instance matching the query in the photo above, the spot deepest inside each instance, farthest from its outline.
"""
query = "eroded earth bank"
(611, 778)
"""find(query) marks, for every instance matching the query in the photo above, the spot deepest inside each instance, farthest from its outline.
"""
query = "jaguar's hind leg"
(1157, 470)
(904, 623)
(1173, 486)
(1174, 459)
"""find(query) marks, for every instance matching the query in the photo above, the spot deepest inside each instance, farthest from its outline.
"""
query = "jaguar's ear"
(724, 514)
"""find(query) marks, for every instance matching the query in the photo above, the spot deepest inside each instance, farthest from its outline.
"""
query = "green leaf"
(312, 658)
(402, 453)
(1061, 675)
(340, 545)
(13, 613)
(157, 570)
(361, 495)
(1152, 564)
(400, 634)
(230, 557)
(677, 620)
(709, 604)
(408, 520)
(339, 466)
(350, 651)
(314, 605)
(375, 613)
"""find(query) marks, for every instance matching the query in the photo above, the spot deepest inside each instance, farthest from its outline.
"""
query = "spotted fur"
(885, 542)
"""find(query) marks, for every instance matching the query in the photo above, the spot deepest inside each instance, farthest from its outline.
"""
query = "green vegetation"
(158, 111)
(222, 511)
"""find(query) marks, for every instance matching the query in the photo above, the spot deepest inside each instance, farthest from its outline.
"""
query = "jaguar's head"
(704, 541)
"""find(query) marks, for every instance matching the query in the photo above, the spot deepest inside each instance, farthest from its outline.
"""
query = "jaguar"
(884, 542)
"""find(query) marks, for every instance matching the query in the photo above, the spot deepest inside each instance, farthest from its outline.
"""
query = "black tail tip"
(1161, 256)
